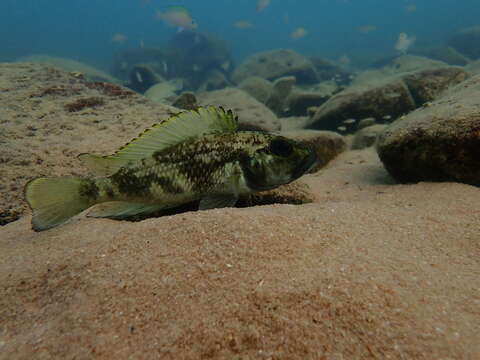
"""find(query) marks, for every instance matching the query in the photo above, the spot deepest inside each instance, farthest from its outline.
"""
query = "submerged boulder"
(439, 142)
(391, 98)
(77, 68)
(257, 87)
(387, 97)
(466, 41)
(252, 115)
(273, 64)
(327, 144)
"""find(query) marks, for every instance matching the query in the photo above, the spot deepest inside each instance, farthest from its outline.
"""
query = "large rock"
(195, 56)
(391, 98)
(327, 144)
(388, 97)
(427, 85)
(327, 70)
(77, 68)
(257, 87)
(274, 64)
(49, 116)
(466, 41)
(439, 142)
(252, 114)
(367, 136)
(446, 54)
(282, 87)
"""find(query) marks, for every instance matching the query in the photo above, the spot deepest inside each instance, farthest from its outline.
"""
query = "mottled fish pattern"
(194, 155)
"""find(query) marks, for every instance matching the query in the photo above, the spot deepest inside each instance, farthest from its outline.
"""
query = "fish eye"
(281, 147)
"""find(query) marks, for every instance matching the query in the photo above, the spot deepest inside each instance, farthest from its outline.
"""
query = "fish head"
(279, 162)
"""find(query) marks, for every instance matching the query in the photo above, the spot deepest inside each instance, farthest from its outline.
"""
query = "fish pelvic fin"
(55, 200)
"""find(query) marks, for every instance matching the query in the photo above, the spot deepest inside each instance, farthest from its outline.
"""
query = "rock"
(273, 64)
(327, 70)
(386, 97)
(257, 87)
(407, 63)
(367, 136)
(186, 101)
(157, 59)
(53, 116)
(426, 85)
(366, 122)
(327, 144)
(466, 41)
(439, 142)
(299, 102)
(214, 80)
(293, 123)
(295, 193)
(446, 54)
(164, 92)
(142, 77)
(85, 71)
(277, 101)
(194, 56)
(252, 115)
(390, 98)
(473, 67)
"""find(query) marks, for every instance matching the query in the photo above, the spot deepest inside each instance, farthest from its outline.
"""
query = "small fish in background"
(243, 24)
(298, 33)
(286, 18)
(262, 4)
(411, 8)
(177, 16)
(344, 61)
(119, 38)
(404, 42)
(366, 29)
(194, 155)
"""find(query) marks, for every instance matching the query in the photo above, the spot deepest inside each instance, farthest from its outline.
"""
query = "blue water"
(83, 29)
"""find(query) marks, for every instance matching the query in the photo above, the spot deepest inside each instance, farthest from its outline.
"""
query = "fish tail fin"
(55, 200)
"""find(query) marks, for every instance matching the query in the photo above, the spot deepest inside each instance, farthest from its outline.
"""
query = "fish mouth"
(307, 164)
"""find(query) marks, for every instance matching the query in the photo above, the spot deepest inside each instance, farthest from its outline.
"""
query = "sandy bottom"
(370, 270)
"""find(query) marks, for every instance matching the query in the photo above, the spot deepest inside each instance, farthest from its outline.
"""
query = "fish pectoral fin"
(217, 201)
(122, 209)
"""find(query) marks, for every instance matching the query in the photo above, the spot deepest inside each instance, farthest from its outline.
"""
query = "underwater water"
(361, 30)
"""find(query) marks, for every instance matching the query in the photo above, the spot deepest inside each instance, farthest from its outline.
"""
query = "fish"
(198, 155)
(365, 29)
(262, 4)
(404, 42)
(177, 16)
(119, 38)
(411, 8)
(298, 33)
(243, 24)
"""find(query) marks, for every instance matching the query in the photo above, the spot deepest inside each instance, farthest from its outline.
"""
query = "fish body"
(177, 16)
(195, 155)
(298, 33)
(119, 38)
(243, 24)
(404, 42)
(262, 4)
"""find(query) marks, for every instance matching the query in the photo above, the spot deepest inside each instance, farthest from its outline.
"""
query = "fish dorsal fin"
(176, 129)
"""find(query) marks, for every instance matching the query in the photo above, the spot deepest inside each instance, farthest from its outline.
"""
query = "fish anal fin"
(122, 209)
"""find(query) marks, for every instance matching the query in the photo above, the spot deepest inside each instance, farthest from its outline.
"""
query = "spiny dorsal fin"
(176, 129)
